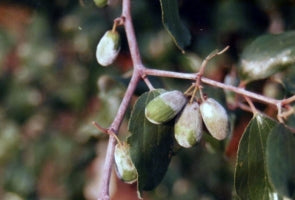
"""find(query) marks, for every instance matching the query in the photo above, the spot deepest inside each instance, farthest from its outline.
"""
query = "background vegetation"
(51, 88)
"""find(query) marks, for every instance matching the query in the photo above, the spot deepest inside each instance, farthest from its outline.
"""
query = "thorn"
(100, 128)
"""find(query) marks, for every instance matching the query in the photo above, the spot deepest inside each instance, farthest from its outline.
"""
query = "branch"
(130, 34)
(107, 169)
(136, 76)
(193, 76)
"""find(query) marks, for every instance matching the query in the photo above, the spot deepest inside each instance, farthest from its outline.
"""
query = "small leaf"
(280, 160)
(267, 55)
(173, 25)
(150, 144)
(251, 179)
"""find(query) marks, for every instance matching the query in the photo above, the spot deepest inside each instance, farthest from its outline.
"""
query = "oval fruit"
(101, 3)
(188, 126)
(215, 118)
(125, 168)
(165, 107)
(108, 48)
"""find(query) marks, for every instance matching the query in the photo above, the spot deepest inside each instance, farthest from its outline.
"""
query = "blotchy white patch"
(174, 99)
(106, 51)
(259, 119)
(259, 67)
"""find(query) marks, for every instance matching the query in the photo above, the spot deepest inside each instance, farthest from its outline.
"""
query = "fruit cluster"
(188, 123)
(188, 127)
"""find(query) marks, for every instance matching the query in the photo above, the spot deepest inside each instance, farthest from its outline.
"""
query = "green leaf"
(291, 119)
(267, 55)
(288, 80)
(251, 179)
(173, 25)
(280, 160)
(150, 144)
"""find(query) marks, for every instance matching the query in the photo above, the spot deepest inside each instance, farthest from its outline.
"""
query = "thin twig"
(279, 108)
(188, 91)
(209, 57)
(250, 103)
(147, 82)
(245, 107)
(289, 100)
(170, 74)
(288, 112)
(117, 22)
(99, 127)
(198, 85)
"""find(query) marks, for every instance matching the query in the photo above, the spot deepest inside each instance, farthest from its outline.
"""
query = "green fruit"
(125, 168)
(108, 48)
(188, 127)
(215, 118)
(165, 107)
(101, 3)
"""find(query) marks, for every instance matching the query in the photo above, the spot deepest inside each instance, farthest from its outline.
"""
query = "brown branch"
(193, 76)
(250, 103)
(107, 169)
(147, 82)
(100, 128)
(289, 100)
(136, 76)
(130, 34)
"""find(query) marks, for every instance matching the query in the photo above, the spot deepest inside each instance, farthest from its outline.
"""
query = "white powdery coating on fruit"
(174, 99)
(189, 124)
(197, 121)
(106, 51)
(123, 161)
(183, 141)
(215, 118)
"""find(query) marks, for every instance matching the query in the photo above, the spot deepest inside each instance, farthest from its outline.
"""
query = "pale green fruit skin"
(215, 118)
(188, 126)
(108, 48)
(165, 107)
(101, 3)
(125, 168)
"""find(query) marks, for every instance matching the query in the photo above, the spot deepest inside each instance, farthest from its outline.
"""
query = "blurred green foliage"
(50, 89)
